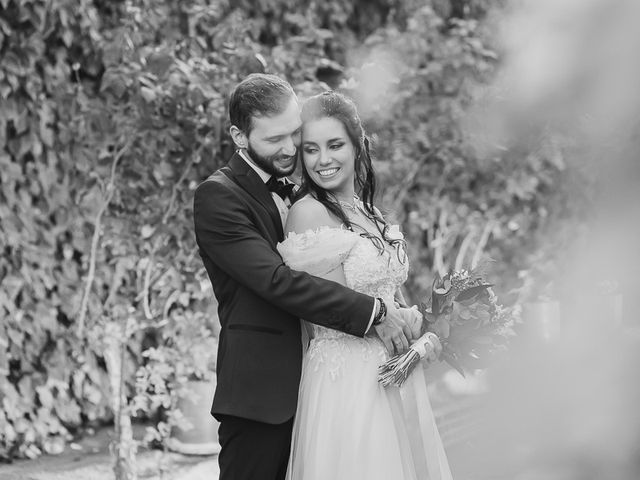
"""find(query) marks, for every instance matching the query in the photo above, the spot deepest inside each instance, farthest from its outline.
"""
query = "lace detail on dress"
(366, 270)
(331, 352)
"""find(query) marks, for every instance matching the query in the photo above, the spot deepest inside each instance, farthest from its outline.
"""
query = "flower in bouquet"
(470, 323)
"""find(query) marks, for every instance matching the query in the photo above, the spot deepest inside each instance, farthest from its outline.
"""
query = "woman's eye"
(336, 146)
(310, 150)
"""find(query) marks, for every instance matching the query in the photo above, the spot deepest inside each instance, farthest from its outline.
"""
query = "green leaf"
(471, 293)
(5, 90)
(91, 202)
(4, 359)
(67, 37)
(45, 397)
(159, 63)
(11, 62)
(46, 120)
(148, 94)
(114, 82)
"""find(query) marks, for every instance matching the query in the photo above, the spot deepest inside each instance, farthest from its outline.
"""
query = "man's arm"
(395, 332)
(225, 233)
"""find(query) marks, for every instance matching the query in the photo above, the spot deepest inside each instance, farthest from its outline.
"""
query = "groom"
(239, 213)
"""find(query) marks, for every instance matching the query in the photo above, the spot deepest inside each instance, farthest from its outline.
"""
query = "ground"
(90, 460)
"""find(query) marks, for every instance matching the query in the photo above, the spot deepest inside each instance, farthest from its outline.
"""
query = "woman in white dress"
(347, 426)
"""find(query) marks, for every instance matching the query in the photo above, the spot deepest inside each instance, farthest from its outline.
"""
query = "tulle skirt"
(348, 427)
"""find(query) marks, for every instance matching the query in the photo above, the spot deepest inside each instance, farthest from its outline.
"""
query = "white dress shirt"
(282, 205)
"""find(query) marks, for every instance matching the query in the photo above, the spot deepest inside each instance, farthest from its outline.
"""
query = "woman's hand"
(432, 346)
(394, 331)
(414, 320)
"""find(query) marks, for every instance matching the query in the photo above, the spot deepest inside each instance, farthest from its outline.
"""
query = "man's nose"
(289, 147)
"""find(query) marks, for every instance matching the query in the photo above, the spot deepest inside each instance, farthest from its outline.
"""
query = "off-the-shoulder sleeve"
(317, 252)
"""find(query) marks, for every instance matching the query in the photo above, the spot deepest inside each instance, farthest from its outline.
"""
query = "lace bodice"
(366, 270)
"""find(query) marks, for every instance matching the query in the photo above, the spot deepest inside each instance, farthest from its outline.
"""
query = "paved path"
(177, 467)
(90, 460)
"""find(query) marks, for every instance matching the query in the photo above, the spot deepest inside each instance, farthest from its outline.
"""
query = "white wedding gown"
(347, 426)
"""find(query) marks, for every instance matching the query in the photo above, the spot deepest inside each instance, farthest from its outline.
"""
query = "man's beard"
(268, 164)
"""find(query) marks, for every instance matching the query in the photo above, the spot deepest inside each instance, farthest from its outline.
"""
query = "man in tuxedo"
(239, 213)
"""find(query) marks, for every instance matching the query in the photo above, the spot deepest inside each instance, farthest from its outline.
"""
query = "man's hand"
(396, 331)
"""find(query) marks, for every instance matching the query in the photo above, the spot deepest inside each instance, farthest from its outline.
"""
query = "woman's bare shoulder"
(309, 214)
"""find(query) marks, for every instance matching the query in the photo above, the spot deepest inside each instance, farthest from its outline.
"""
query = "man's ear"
(239, 137)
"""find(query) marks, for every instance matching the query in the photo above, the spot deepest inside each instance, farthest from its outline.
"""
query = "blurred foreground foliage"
(112, 112)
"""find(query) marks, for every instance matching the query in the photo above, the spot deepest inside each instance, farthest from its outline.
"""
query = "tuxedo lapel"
(251, 182)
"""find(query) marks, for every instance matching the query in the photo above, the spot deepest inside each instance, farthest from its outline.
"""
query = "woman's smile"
(328, 172)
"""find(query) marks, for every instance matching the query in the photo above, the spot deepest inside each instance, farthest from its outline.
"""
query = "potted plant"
(178, 380)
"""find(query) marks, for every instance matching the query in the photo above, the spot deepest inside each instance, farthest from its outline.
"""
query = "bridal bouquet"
(477, 326)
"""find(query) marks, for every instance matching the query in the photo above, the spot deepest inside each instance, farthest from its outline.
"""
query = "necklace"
(348, 206)
(354, 207)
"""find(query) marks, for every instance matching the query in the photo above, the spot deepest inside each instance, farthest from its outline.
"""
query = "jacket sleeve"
(226, 234)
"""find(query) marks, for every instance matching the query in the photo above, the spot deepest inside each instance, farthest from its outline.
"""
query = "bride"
(347, 426)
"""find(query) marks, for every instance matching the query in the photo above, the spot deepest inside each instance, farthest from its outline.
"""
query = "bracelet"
(382, 312)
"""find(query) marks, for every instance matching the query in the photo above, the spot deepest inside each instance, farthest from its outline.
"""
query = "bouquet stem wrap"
(396, 370)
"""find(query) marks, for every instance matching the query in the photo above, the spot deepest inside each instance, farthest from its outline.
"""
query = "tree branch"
(466, 242)
(484, 238)
(110, 190)
(147, 280)
(174, 193)
(409, 181)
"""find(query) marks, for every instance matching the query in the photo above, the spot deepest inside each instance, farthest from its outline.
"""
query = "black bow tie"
(284, 190)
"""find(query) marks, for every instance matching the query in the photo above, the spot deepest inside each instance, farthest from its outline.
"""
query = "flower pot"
(202, 438)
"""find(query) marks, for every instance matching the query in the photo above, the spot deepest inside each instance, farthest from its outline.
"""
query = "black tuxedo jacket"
(260, 299)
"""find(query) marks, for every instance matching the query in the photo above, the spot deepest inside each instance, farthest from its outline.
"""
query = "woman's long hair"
(335, 105)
